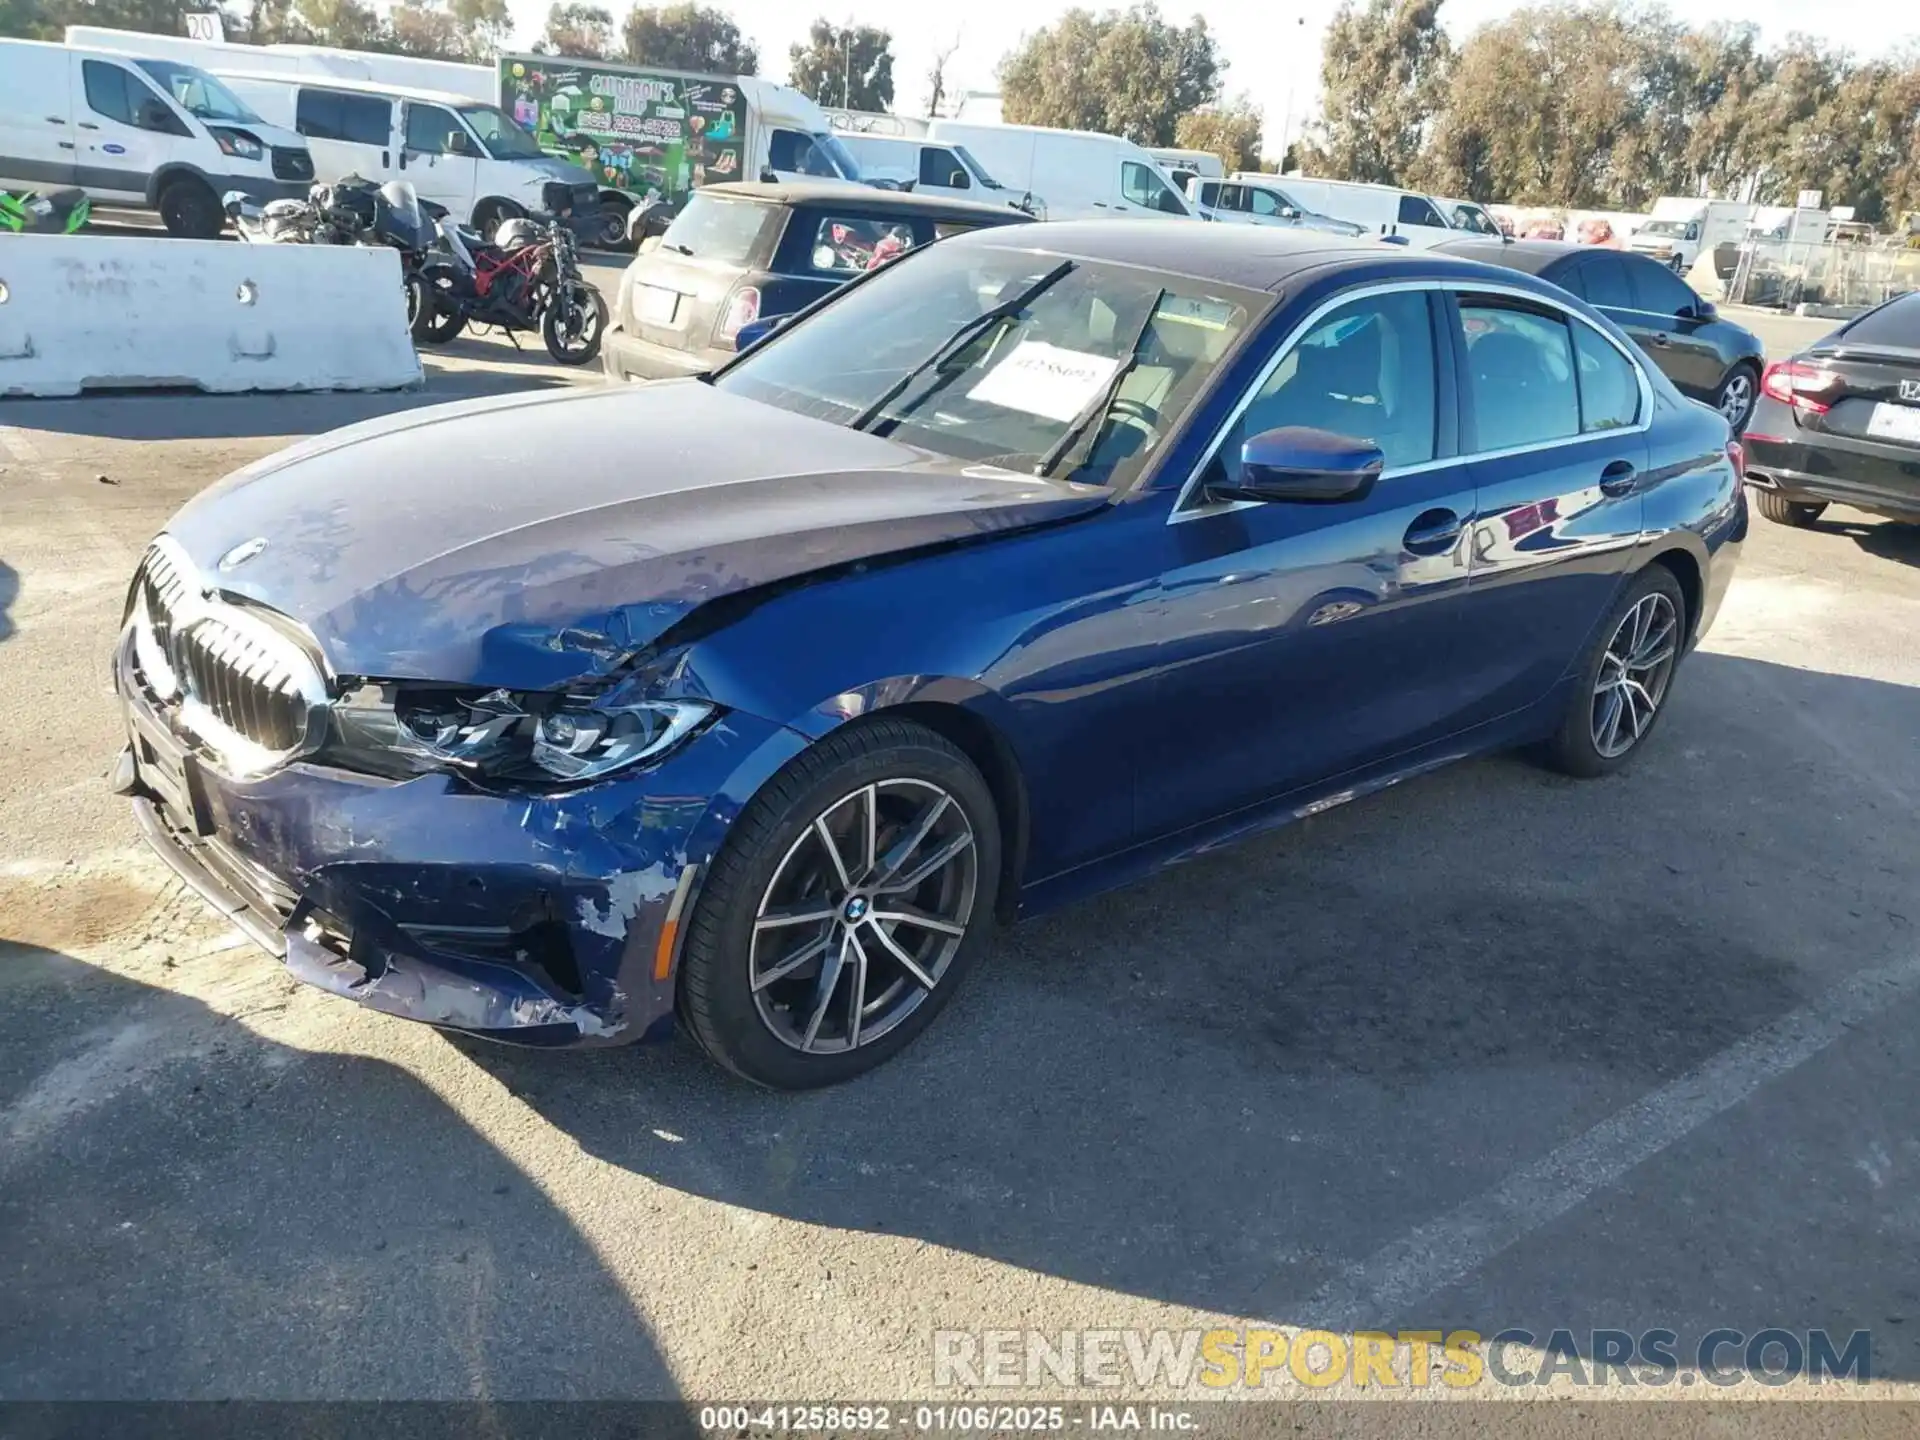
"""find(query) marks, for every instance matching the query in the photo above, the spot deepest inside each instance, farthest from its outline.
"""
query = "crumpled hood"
(529, 541)
(559, 169)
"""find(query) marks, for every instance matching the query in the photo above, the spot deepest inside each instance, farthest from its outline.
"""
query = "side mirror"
(754, 331)
(1703, 310)
(456, 143)
(1287, 212)
(1302, 465)
(957, 180)
(237, 203)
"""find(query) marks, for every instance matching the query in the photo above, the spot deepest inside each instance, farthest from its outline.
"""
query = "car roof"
(347, 86)
(898, 202)
(1251, 257)
(1535, 257)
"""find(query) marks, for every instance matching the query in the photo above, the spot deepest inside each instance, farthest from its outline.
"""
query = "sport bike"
(526, 277)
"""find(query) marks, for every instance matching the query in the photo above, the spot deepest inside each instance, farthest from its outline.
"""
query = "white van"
(1073, 174)
(1183, 167)
(475, 82)
(927, 168)
(1381, 209)
(465, 154)
(132, 131)
(1252, 202)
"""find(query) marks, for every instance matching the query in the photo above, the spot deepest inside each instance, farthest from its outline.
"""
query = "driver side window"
(1142, 186)
(1365, 370)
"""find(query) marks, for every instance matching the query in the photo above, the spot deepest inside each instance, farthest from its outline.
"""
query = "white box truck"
(1683, 226)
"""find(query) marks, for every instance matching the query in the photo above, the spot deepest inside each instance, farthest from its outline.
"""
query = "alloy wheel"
(863, 916)
(1634, 673)
(1736, 398)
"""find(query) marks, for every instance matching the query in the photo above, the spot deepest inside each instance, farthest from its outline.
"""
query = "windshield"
(979, 170)
(1683, 229)
(504, 139)
(723, 231)
(1022, 386)
(403, 204)
(198, 93)
(842, 157)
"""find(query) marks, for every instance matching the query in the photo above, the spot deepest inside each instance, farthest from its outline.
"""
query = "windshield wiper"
(1091, 421)
(959, 341)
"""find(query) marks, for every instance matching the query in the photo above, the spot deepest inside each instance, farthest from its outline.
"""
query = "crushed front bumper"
(538, 919)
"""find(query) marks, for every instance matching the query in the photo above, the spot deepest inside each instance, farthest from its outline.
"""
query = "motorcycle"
(58, 212)
(526, 276)
(352, 211)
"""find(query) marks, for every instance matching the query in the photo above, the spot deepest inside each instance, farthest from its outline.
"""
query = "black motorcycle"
(526, 276)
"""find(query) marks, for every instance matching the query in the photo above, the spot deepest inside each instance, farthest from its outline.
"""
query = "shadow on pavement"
(189, 415)
(191, 1211)
(9, 592)
(1888, 539)
(1222, 1086)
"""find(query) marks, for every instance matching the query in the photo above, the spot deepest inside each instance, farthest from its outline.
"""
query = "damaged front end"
(510, 864)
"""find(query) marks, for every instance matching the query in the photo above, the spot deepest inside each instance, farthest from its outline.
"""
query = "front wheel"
(853, 893)
(571, 323)
(1626, 678)
(190, 210)
(440, 319)
(419, 302)
(1736, 396)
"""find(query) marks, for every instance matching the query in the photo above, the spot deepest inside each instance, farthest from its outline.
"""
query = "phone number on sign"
(913, 1419)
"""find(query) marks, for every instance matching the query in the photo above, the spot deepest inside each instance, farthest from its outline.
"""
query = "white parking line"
(1373, 1292)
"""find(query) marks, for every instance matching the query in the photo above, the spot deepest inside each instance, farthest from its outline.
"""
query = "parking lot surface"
(1495, 1049)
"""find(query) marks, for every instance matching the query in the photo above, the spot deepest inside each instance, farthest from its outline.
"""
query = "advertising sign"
(656, 134)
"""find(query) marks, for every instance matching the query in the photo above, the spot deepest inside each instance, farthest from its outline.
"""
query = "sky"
(1272, 46)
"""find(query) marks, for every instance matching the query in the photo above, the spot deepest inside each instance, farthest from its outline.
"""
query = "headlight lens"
(537, 739)
(237, 142)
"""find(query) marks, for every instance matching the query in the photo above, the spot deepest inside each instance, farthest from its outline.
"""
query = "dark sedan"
(1840, 421)
(1710, 359)
(1027, 566)
(739, 256)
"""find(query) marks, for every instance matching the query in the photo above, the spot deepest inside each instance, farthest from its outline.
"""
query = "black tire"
(419, 303)
(1743, 381)
(582, 346)
(716, 999)
(190, 210)
(1782, 511)
(488, 214)
(611, 231)
(1575, 749)
(440, 321)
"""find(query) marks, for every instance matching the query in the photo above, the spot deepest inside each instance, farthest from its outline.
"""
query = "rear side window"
(1897, 323)
(851, 245)
(1520, 376)
(727, 232)
(1604, 282)
(1659, 290)
(1609, 385)
(336, 115)
(1365, 371)
(1415, 211)
(943, 168)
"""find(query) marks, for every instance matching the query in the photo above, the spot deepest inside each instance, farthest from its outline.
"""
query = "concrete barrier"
(84, 312)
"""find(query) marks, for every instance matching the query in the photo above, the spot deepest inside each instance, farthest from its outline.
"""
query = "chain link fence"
(1786, 273)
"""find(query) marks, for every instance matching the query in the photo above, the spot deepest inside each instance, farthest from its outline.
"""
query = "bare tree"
(937, 77)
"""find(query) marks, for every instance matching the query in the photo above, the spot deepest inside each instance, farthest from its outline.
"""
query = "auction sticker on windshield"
(1045, 380)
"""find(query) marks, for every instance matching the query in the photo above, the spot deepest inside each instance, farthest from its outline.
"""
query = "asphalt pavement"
(1494, 1049)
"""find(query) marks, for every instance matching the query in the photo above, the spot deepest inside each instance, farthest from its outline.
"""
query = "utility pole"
(846, 66)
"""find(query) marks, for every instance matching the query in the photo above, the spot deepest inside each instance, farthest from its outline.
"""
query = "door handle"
(56, 119)
(87, 125)
(65, 144)
(385, 163)
(1432, 532)
(1618, 478)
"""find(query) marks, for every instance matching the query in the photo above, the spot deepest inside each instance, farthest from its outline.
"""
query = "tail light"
(1795, 383)
(743, 308)
(1737, 457)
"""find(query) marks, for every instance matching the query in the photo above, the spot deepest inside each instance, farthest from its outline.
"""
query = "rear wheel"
(1626, 678)
(851, 896)
(190, 210)
(609, 232)
(440, 319)
(488, 214)
(1782, 511)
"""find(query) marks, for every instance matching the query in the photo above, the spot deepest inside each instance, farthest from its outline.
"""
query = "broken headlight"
(538, 739)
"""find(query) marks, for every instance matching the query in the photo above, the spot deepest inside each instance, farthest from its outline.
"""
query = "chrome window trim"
(1456, 285)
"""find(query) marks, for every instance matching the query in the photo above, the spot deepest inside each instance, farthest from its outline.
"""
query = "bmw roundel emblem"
(243, 552)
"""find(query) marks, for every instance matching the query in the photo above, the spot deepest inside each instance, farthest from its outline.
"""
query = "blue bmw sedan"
(1034, 562)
